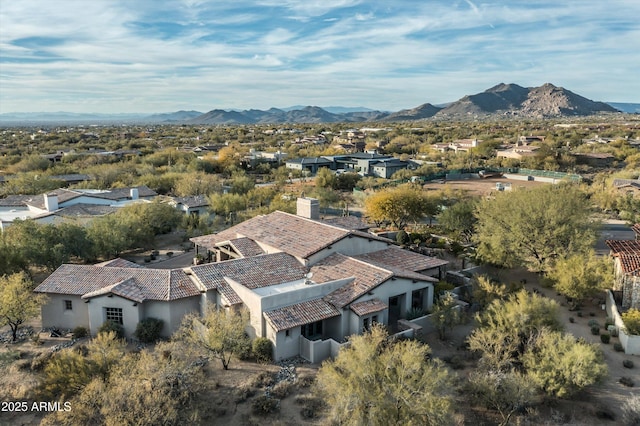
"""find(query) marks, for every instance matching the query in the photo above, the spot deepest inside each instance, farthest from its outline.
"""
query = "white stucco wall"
(54, 313)
(131, 315)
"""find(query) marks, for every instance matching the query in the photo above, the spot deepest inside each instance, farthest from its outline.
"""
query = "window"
(374, 319)
(417, 298)
(365, 324)
(312, 331)
(114, 314)
(287, 333)
(68, 305)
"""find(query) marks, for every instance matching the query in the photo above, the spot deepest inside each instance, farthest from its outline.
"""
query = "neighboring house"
(628, 186)
(307, 284)
(363, 163)
(626, 255)
(595, 159)
(386, 168)
(459, 145)
(194, 204)
(310, 164)
(86, 203)
(518, 152)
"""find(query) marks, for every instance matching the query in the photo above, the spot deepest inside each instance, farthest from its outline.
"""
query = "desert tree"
(534, 227)
(18, 303)
(220, 333)
(378, 381)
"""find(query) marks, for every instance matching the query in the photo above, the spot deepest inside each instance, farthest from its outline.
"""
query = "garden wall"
(630, 342)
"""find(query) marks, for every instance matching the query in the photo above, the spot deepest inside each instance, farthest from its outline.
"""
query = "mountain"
(334, 109)
(220, 116)
(626, 107)
(178, 116)
(308, 114)
(535, 102)
(417, 113)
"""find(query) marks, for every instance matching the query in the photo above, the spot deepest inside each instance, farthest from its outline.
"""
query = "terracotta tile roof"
(192, 201)
(397, 258)
(368, 307)
(246, 247)
(119, 263)
(153, 284)
(338, 266)
(299, 314)
(251, 272)
(128, 289)
(289, 233)
(636, 229)
(348, 222)
(630, 263)
(624, 246)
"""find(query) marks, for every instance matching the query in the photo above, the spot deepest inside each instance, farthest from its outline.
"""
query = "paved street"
(613, 230)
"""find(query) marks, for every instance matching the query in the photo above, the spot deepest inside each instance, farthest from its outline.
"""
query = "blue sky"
(116, 56)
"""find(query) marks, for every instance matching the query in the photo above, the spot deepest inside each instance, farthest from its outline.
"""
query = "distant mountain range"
(503, 100)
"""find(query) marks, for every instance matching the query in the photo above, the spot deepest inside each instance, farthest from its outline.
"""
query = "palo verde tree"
(220, 333)
(377, 381)
(534, 227)
(400, 206)
(18, 303)
(581, 275)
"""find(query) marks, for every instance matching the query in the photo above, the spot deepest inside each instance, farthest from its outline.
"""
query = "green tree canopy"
(399, 205)
(375, 381)
(581, 275)
(459, 219)
(220, 333)
(17, 301)
(533, 227)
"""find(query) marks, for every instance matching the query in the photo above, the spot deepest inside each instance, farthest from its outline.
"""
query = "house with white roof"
(307, 284)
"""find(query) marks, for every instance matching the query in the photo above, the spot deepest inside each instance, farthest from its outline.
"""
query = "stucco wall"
(349, 247)
(630, 343)
(54, 313)
(131, 315)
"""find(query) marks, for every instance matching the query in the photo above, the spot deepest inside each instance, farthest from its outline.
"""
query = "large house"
(308, 284)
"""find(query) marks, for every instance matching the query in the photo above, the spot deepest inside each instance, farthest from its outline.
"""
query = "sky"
(151, 56)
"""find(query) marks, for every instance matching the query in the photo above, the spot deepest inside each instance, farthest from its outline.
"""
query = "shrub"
(572, 320)
(262, 349)
(443, 286)
(609, 321)
(80, 332)
(627, 381)
(618, 347)
(595, 330)
(310, 406)
(265, 405)
(402, 238)
(593, 323)
(264, 379)
(242, 393)
(148, 330)
(169, 253)
(604, 338)
(108, 326)
(631, 320)
(414, 313)
(580, 314)
(282, 389)
(147, 259)
(631, 411)
(627, 363)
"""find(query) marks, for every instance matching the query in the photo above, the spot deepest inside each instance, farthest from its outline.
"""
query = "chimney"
(308, 207)
(134, 193)
(51, 202)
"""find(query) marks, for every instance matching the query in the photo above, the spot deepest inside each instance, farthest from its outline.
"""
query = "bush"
(264, 379)
(593, 323)
(148, 330)
(169, 254)
(265, 405)
(627, 381)
(402, 238)
(414, 313)
(595, 330)
(604, 338)
(282, 389)
(607, 322)
(627, 363)
(618, 347)
(631, 320)
(242, 393)
(262, 349)
(572, 320)
(80, 332)
(310, 406)
(108, 326)
(580, 314)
